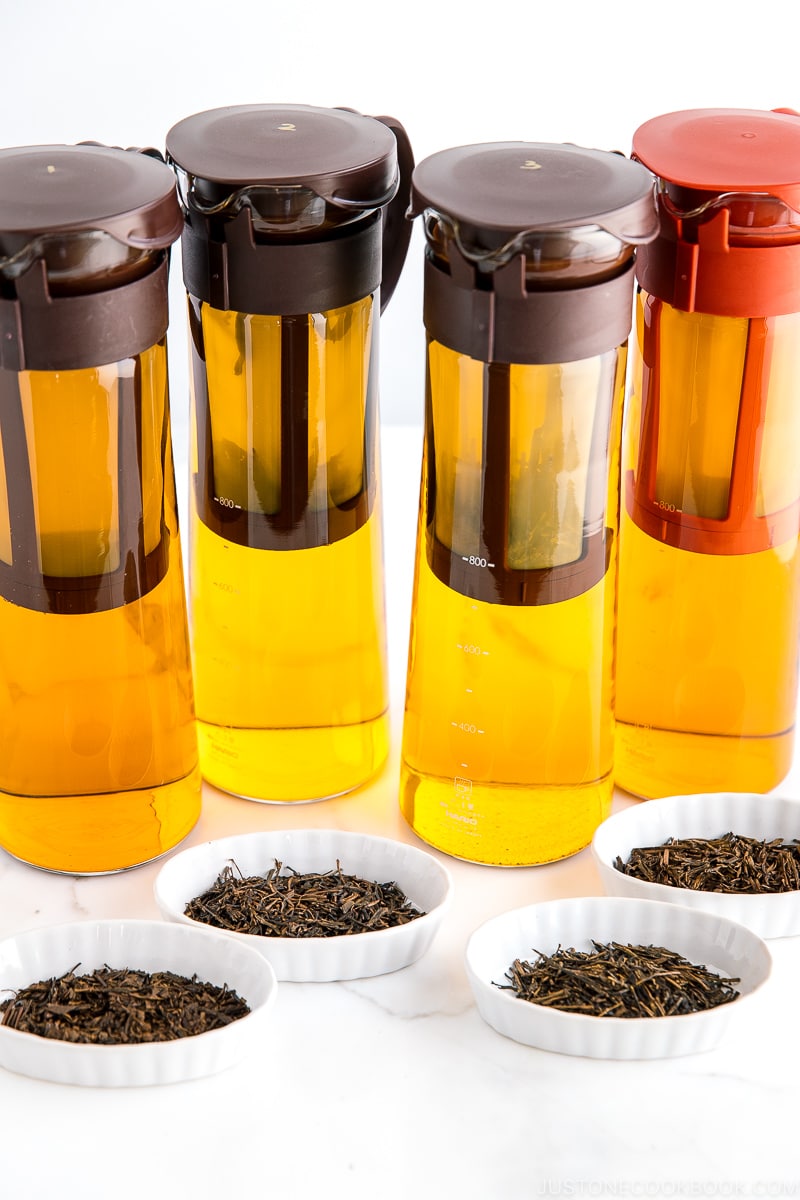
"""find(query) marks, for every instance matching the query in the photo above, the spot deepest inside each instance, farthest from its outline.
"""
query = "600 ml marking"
(470, 648)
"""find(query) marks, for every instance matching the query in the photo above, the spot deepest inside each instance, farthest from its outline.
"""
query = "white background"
(403, 1092)
(453, 73)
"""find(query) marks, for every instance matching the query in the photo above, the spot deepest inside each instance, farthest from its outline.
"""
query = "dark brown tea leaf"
(288, 903)
(730, 863)
(113, 1006)
(617, 980)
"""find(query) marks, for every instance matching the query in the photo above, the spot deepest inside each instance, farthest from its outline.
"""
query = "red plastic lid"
(729, 240)
(725, 150)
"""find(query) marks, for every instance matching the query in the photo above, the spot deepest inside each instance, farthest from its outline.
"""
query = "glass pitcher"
(709, 603)
(98, 751)
(294, 226)
(508, 734)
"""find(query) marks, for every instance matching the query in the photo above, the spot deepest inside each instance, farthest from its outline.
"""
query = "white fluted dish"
(421, 877)
(135, 945)
(723, 946)
(708, 815)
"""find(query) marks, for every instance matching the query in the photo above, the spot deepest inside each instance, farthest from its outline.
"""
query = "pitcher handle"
(396, 225)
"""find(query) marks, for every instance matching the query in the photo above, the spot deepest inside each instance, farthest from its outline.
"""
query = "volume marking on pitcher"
(470, 648)
(475, 560)
(466, 727)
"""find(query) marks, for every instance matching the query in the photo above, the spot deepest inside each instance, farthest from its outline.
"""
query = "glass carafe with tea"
(294, 227)
(709, 599)
(98, 749)
(508, 735)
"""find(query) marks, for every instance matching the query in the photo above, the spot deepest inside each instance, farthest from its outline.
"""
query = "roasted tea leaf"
(112, 1006)
(288, 903)
(730, 863)
(619, 980)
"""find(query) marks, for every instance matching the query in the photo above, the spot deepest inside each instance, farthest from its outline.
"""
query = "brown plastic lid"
(530, 248)
(291, 208)
(344, 157)
(62, 189)
(505, 188)
(83, 265)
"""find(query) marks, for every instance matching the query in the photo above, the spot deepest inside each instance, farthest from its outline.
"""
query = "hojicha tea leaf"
(289, 903)
(618, 980)
(730, 863)
(115, 1006)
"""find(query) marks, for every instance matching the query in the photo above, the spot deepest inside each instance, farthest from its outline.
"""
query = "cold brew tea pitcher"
(508, 735)
(98, 751)
(709, 598)
(291, 235)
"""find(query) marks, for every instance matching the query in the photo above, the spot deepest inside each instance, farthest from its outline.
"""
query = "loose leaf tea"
(112, 1007)
(730, 863)
(293, 904)
(616, 980)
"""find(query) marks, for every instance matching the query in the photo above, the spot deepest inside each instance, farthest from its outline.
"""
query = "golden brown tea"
(98, 753)
(287, 607)
(709, 592)
(508, 734)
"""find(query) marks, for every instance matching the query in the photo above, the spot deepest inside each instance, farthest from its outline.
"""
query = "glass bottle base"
(99, 834)
(292, 765)
(650, 763)
(506, 825)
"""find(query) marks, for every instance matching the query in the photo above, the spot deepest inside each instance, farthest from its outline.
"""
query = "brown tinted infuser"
(507, 743)
(98, 758)
(290, 236)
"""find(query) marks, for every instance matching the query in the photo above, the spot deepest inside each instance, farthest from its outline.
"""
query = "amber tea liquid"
(298, 717)
(707, 669)
(286, 553)
(98, 753)
(509, 727)
(717, 712)
(497, 763)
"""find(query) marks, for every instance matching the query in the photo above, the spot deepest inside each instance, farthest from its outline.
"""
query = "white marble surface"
(393, 1087)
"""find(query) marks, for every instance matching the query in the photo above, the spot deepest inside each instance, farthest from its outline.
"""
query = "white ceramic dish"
(722, 946)
(421, 877)
(139, 945)
(651, 822)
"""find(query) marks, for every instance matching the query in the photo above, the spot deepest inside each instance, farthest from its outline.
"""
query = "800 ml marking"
(475, 560)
